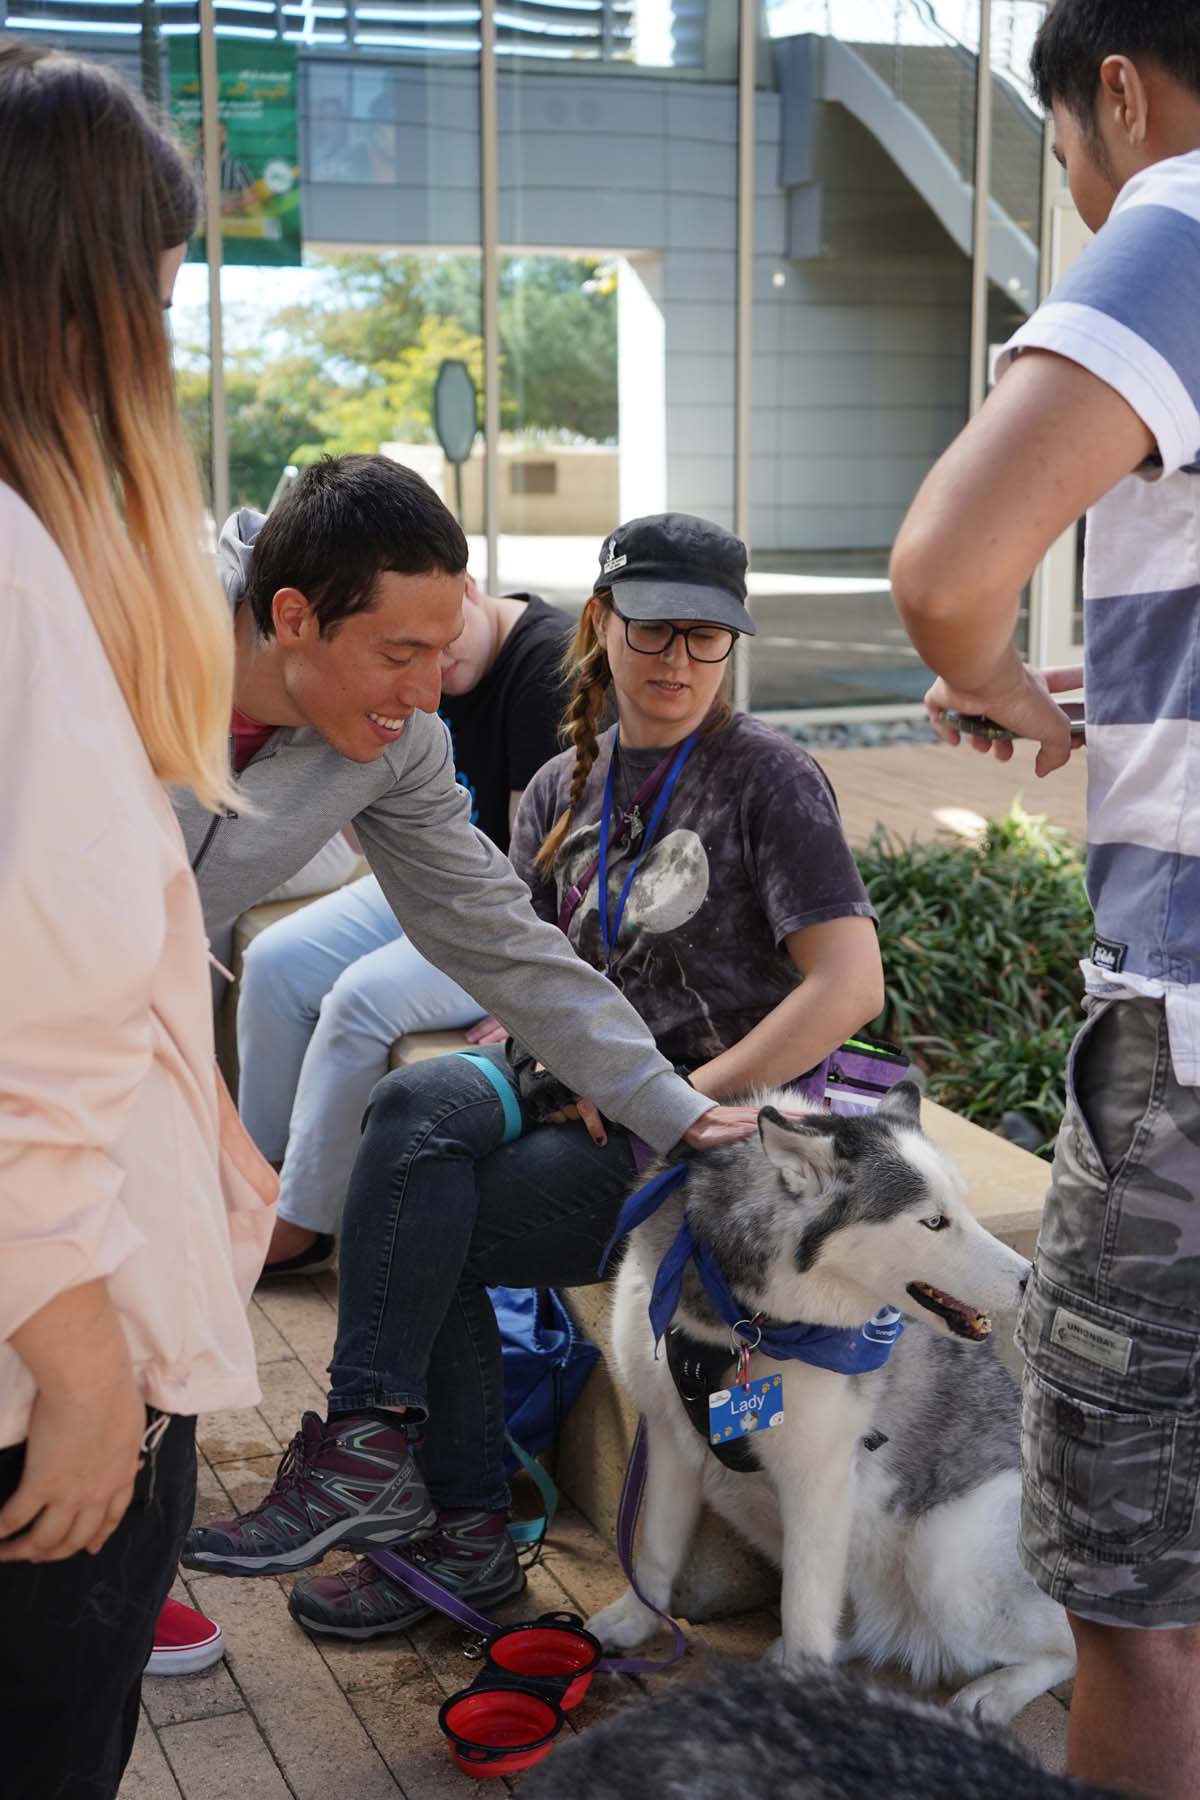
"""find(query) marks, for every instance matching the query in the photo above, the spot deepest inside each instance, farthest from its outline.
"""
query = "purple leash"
(434, 1593)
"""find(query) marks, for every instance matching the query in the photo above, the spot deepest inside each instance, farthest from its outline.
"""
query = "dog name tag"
(739, 1411)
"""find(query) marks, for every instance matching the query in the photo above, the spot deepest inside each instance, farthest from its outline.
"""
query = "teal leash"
(531, 1534)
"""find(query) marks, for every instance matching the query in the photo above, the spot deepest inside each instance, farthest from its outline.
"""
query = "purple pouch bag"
(857, 1076)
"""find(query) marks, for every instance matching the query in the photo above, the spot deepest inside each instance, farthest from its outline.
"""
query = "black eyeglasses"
(703, 643)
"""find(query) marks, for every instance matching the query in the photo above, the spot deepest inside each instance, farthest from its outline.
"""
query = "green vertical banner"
(260, 157)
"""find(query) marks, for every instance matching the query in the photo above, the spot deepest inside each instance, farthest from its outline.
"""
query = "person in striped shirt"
(1098, 411)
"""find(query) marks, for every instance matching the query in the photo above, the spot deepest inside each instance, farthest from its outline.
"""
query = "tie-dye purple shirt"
(751, 848)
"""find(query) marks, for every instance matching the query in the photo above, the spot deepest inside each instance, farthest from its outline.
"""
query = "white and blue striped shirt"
(1129, 311)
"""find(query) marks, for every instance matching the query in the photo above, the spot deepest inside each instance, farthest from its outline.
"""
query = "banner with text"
(259, 145)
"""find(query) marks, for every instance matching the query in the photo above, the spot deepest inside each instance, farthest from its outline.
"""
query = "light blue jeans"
(324, 995)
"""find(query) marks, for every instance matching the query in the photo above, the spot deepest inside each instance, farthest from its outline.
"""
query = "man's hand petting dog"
(722, 1125)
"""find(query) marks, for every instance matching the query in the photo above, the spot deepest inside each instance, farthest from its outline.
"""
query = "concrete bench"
(1006, 1190)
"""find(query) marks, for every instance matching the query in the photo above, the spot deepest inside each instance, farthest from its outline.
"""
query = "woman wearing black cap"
(697, 855)
(745, 938)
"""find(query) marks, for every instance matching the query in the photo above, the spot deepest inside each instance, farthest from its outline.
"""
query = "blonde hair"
(586, 666)
(92, 193)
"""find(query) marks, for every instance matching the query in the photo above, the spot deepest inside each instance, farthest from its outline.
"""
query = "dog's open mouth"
(963, 1321)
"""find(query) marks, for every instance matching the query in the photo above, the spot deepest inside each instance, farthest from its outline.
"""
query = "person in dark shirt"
(327, 991)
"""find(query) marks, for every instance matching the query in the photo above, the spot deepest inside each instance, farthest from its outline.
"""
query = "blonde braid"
(580, 725)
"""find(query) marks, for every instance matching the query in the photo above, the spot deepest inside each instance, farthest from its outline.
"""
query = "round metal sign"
(455, 409)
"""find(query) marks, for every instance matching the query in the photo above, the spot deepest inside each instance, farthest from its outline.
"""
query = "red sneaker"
(184, 1641)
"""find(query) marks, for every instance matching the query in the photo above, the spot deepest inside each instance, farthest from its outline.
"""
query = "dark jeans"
(75, 1636)
(439, 1209)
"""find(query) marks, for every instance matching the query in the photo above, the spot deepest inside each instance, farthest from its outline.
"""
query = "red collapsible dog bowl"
(497, 1731)
(554, 1648)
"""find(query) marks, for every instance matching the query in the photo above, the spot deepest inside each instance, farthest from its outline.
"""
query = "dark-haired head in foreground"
(1122, 79)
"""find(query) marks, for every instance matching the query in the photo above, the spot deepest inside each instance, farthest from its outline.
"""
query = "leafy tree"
(397, 404)
(558, 337)
(360, 358)
(272, 408)
(371, 306)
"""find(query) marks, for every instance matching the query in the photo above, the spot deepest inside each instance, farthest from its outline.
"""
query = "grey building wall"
(860, 356)
(859, 376)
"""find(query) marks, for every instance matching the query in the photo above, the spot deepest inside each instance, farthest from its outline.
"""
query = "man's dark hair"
(344, 523)
(1077, 35)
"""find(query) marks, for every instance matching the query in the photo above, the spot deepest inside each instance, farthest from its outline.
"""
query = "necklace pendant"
(634, 827)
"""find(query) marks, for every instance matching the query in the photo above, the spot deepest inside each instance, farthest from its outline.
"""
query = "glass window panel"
(342, 352)
(618, 178)
(862, 288)
(1015, 210)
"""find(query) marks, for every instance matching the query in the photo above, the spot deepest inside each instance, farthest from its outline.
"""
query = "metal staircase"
(918, 100)
(937, 83)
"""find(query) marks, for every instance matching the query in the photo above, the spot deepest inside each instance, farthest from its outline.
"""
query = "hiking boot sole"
(352, 1534)
(359, 1633)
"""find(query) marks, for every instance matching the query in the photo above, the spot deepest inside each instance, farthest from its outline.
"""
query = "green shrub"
(981, 945)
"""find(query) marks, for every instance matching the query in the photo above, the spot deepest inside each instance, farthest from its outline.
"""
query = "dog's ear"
(803, 1153)
(902, 1103)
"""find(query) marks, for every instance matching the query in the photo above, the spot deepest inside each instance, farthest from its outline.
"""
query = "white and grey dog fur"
(824, 1220)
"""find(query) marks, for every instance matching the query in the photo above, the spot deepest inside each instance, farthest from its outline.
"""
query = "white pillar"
(641, 386)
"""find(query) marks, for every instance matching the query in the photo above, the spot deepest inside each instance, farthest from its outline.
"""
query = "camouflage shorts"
(1110, 1329)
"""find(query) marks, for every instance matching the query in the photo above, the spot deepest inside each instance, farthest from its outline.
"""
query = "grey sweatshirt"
(458, 898)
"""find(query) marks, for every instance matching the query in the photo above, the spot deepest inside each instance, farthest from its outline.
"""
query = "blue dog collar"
(843, 1349)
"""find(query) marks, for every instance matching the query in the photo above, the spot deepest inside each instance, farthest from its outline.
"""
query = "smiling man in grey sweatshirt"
(344, 602)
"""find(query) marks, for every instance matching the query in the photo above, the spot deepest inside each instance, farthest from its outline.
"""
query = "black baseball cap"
(675, 566)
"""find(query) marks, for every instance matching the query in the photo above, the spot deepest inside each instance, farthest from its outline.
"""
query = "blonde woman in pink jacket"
(133, 1213)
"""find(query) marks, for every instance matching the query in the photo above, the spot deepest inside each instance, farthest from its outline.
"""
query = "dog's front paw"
(625, 1625)
(800, 1653)
(989, 1698)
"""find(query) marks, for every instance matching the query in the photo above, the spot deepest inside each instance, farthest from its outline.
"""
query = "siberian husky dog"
(896, 1491)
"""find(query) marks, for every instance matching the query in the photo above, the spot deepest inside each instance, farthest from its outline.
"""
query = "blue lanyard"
(609, 937)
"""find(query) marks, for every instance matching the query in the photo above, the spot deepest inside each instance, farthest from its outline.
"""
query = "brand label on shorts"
(1095, 1343)
(1108, 955)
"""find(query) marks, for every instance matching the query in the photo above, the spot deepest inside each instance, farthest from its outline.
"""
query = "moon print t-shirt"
(749, 849)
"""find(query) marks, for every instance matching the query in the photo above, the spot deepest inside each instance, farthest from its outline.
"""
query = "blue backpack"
(546, 1362)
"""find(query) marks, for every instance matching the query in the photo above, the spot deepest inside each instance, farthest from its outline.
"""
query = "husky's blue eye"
(939, 1222)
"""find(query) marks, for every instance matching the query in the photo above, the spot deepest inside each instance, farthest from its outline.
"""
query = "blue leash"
(607, 937)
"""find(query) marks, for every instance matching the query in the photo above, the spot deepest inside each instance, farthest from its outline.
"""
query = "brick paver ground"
(285, 1717)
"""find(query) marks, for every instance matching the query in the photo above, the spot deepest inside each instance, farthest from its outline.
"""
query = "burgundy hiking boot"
(351, 1482)
(470, 1553)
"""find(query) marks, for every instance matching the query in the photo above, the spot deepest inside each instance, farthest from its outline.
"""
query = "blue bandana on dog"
(841, 1349)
